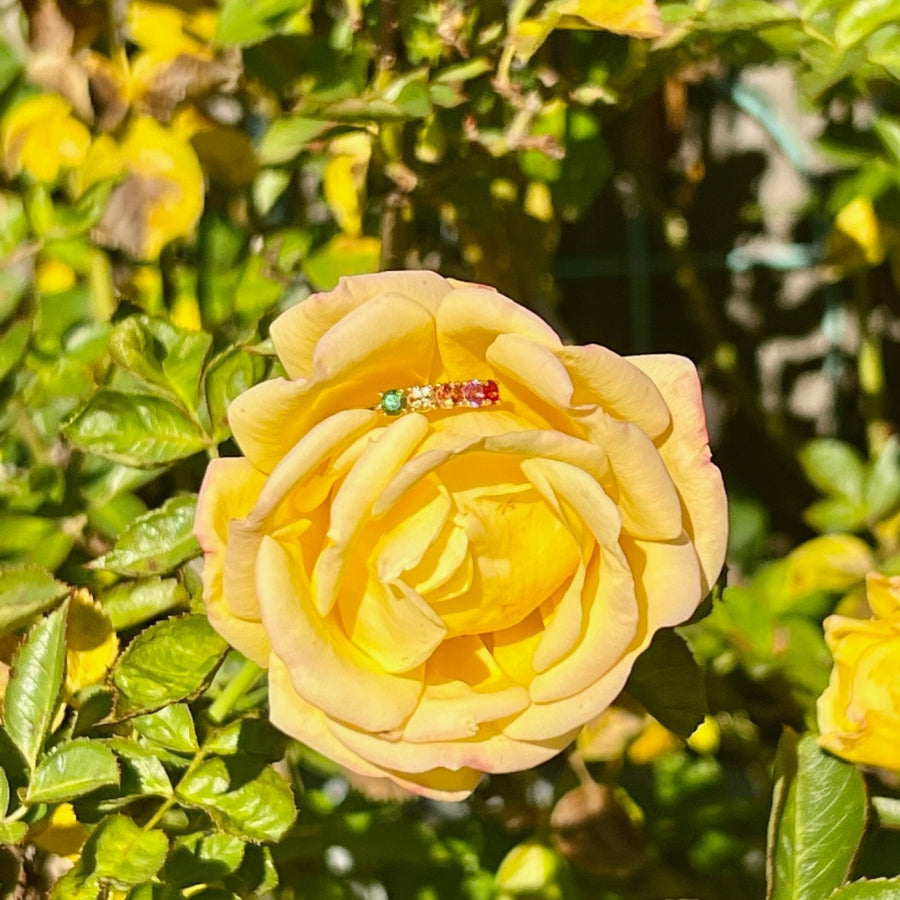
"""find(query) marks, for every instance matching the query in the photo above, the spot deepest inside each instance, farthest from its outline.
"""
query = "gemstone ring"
(444, 395)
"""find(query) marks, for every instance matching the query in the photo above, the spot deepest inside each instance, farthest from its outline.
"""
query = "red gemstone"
(491, 391)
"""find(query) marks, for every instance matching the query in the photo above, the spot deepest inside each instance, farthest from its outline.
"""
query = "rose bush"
(442, 594)
(859, 712)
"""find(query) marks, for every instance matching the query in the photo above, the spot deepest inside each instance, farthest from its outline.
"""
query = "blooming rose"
(859, 712)
(456, 591)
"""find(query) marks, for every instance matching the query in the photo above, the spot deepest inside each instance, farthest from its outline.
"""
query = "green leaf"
(241, 797)
(252, 736)
(834, 514)
(11, 64)
(134, 602)
(869, 889)
(735, 15)
(202, 858)
(35, 684)
(888, 811)
(862, 17)
(156, 542)
(883, 485)
(163, 355)
(12, 833)
(815, 832)
(34, 540)
(835, 467)
(142, 771)
(92, 704)
(13, 344)
(26, 591)
(229, 375)
(342, 255)
(119, 854)
(172, 727)
(288, 137)
(249, 23)
(4, 794)
(134, 429)
(72, 769)
(667, 681)
(170, 661)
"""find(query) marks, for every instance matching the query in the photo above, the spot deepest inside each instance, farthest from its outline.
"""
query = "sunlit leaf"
(243, 797)
(817, 821)
(171, 727)
(26, 591)
(170, 661)
(342, 255)
(134, 429)
(156, 542)
(71, 769)
(131, 603)
(29, 704)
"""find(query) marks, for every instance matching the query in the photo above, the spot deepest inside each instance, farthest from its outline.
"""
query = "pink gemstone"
(473, 392)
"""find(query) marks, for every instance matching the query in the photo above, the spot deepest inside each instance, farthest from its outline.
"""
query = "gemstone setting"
(443, 395)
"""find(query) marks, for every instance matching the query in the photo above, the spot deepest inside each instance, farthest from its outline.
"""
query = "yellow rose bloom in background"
(859, 712)
(40, 136)
(445, 593)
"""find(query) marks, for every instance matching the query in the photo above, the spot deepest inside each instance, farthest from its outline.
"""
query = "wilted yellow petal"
(92, 643)
(856, 238)
(53, 276)
(40, 136)
(166, 31)
(160, 201)
(345, 180)
(635, 17)
(654, 741)
(61, 833)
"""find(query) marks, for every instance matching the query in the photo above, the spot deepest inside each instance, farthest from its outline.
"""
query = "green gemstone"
(393, 402)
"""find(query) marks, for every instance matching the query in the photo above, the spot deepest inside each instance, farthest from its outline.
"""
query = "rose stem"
(233, 691)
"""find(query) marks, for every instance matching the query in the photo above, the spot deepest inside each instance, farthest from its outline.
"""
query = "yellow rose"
(859, 712)
(455, 591)
(40, 136)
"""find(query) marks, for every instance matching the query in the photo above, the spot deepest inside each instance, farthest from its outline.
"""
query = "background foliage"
(719, 178)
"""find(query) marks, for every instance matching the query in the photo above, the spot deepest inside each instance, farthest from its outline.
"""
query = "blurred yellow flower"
(53, 276)
(92, 644)
(61, 833)
(859, 712)
(41, 137)
(161, 198)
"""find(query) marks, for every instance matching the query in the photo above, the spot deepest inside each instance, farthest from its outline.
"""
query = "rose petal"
(293, 715)
(296, 332)
(620, 388)
(391, 623)
(464, 687)
(325, 667)
(229, 490)
(352, 505)
(686, 454)
(468, 322)
(667, 579)
(644, 490)
(488, 751)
